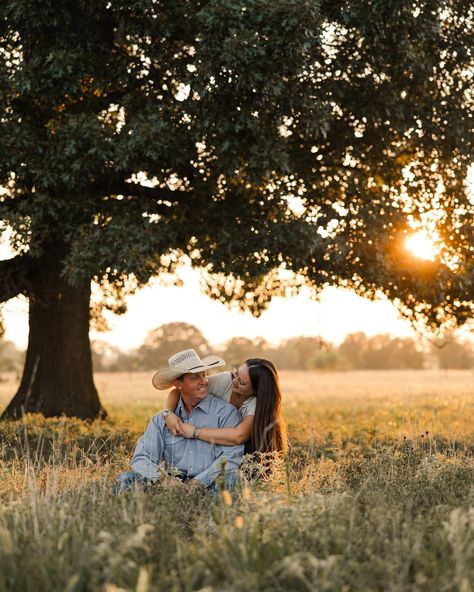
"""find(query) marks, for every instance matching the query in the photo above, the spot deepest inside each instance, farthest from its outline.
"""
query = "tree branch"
(134, 190)
(15, 276)
(13, 201)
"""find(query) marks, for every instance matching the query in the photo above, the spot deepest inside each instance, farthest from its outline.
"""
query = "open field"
(393, 403)
(378, 494)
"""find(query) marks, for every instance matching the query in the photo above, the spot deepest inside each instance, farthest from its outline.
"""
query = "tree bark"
(57, 377)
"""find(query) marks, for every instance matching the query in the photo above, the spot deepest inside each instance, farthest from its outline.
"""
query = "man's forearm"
(149, 451)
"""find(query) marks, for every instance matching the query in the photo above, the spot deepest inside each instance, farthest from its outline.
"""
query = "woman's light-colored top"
(220, 385)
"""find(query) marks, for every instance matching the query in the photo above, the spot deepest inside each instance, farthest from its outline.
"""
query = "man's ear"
(178, 384)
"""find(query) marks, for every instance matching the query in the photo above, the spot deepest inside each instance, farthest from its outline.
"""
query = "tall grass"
(378, 494)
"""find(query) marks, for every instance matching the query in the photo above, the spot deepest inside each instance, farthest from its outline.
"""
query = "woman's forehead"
(244, 369)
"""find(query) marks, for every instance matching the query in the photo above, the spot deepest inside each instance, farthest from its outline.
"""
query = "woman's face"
(241, 383)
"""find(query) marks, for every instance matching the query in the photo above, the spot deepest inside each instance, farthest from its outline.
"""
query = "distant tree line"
(357, 351)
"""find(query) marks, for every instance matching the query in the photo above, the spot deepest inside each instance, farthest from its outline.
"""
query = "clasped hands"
(178, 427)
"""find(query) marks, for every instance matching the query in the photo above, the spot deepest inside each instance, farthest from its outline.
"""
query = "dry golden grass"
(391, 403)
(354, 507)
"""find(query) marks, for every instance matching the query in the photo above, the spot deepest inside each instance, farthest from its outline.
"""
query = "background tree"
(303, 353)
(451, 353)
(108, 358)
(381, 352)
(392, 353)
(354, 349)
(135, 132)
(239, 349)
(163, 342)
(11, 359)
(104, 355)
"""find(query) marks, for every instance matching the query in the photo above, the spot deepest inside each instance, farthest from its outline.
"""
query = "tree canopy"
(254, 137)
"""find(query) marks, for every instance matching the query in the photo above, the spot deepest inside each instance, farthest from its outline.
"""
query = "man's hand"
(187, 430)
(174, 424)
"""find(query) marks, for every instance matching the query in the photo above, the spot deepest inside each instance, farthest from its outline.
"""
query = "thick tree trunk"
(57, 378)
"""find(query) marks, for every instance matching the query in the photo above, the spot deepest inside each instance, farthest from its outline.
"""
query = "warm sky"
(338, 313)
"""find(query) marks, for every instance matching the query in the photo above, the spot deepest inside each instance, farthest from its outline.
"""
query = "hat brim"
(163, 379)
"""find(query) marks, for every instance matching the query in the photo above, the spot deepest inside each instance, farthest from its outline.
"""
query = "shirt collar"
(204, 405)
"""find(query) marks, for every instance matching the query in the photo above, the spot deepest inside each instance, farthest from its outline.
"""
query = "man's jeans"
(126, 481)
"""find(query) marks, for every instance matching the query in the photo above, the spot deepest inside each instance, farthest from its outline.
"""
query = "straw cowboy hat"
(183, 363)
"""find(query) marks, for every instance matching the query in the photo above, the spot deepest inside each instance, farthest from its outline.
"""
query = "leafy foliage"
(132, 133)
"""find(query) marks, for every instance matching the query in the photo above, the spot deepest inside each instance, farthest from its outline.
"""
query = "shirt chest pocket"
(171, 440)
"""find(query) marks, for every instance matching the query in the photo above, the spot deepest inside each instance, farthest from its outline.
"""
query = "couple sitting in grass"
(207, 424)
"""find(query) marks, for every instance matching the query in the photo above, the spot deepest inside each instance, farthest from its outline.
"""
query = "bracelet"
(196, 432)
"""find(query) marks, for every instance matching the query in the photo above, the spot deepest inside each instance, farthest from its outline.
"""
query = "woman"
(254, 389)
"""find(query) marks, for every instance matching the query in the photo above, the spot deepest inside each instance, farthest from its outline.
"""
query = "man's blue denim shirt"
(192, 458)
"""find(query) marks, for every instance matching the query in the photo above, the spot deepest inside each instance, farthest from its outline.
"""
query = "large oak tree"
(135, 131)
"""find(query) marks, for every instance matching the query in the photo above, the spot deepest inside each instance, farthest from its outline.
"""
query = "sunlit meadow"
(377, 494)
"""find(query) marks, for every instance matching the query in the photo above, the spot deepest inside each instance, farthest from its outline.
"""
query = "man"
(194, 462)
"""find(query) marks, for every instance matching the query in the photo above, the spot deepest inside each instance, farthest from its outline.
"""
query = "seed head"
(246, 494)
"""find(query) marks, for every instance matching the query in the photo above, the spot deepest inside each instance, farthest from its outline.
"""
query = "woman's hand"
(187, 430)
(174, 424)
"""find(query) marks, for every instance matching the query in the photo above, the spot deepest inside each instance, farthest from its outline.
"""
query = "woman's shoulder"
(220, 383)
(248, 406)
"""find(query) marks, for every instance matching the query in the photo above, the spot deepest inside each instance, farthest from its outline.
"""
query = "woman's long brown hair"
(269, 430)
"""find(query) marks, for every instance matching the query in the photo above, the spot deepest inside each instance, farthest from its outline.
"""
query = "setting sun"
(421, 245)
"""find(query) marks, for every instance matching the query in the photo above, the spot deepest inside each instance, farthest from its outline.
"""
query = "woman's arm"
(173, 423)
(222, 436)
(172, 400)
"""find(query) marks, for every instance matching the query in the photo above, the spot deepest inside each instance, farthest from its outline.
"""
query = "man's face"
(193, 388)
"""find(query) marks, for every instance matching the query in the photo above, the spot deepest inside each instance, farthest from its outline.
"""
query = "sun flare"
(421, 245)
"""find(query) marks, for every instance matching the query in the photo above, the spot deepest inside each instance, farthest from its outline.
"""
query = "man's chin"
(200, 395)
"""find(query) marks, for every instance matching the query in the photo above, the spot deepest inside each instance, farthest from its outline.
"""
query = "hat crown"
(185, 359)
(184, 362)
